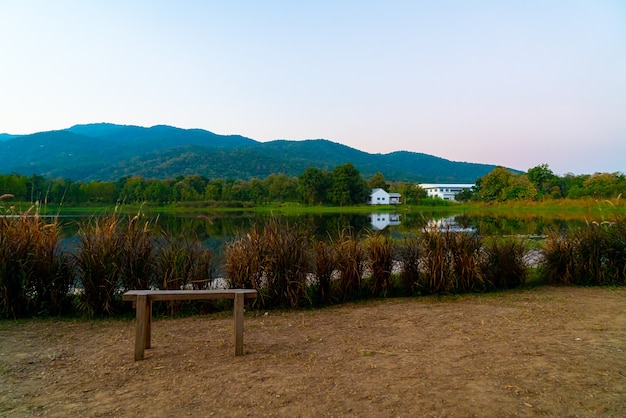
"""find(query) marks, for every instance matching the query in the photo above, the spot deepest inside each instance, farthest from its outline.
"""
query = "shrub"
(616, 252)
(244, 261)
(410, 253)
(437, 273)
(138, 260)
(34, 274)
(324, 265)
(285, 262)
(98, 261)
(592, 255)
(380, 250)
(558, 264)
(465, 250)
(350, 263)
(503, 265)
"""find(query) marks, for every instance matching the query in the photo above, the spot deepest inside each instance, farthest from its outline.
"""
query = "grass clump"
(380, 251)
(350, 263)
(410, 254)
(594, 255)
(274, 260)
(503, 264)
(34, 273)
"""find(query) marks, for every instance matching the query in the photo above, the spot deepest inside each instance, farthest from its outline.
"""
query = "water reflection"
(216, 228)
(451, 223)
(380, 221)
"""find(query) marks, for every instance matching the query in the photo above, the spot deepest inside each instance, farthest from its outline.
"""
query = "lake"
(216, 228)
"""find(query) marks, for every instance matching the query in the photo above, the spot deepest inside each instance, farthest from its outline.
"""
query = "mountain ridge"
(107, 152)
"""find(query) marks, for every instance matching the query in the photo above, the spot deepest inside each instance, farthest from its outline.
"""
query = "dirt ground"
(542, 352)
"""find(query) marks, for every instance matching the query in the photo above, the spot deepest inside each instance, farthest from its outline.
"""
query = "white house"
(381, 197)
(445, 191)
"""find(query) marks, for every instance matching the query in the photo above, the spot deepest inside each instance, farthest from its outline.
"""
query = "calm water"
(218, 228)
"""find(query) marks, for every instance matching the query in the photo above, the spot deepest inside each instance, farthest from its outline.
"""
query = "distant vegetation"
(342, 186)
(540, 183)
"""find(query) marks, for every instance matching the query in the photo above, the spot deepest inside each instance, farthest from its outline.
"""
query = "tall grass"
(98, 262)
(183, 263)
(286, 262)
(410, 254)
(244, 260)
(350, 263)
(324, 266)
(381, 251)
(465, 249)
(282, 261)
(437, 273)
(275, 261)
(503, 265)
(34, 273)
(558, 260)
(592, 255)
(138, 267)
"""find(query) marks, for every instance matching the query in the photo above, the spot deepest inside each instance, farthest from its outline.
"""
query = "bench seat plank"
(131, 295)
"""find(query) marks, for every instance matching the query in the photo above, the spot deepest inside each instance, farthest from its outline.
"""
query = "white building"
(445, 191)
(381, 197)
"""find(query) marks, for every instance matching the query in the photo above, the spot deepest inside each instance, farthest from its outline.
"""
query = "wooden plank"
(141, 326)
(238, 315)
(190, 294)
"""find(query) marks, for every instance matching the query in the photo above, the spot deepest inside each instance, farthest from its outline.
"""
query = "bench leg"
(143, 325)
(149, 323)
(238, 314)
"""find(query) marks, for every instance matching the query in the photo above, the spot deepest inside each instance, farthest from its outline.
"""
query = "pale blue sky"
(514, 83)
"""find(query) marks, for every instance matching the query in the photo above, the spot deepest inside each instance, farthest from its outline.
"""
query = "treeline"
(341, 186)
(540, 183)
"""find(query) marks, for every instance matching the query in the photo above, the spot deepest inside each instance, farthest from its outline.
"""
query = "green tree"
(281, 187)
(545, 181)
(313, 185)
(501, 184)
(378, 182)
(132, 189)
(347, 186)
(156, 191)
(411, 192)
(15, 185)
(605, 185)
(99, 192)
(213, 190)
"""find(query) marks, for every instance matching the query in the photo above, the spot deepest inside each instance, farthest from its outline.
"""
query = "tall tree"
(545, 181)
(501, 184)
(313, 185)
(378, 182)
(347, 186)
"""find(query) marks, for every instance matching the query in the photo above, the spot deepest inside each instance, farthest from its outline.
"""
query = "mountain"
(107, 152)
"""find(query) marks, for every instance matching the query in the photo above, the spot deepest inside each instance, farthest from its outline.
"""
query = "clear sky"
(514, 83)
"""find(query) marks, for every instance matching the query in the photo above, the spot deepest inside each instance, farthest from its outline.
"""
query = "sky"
(511, 83)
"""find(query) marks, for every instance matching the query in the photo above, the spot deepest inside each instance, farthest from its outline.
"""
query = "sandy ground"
(542, 352)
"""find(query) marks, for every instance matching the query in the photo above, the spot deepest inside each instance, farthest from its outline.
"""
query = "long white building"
(445, 191)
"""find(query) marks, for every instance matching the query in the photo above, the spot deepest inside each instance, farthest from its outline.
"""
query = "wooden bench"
(142, 299)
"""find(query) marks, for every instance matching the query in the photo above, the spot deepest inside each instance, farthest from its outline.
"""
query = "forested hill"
(108, 152)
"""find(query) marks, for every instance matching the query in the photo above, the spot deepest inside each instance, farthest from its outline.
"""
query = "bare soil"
(542, 352)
